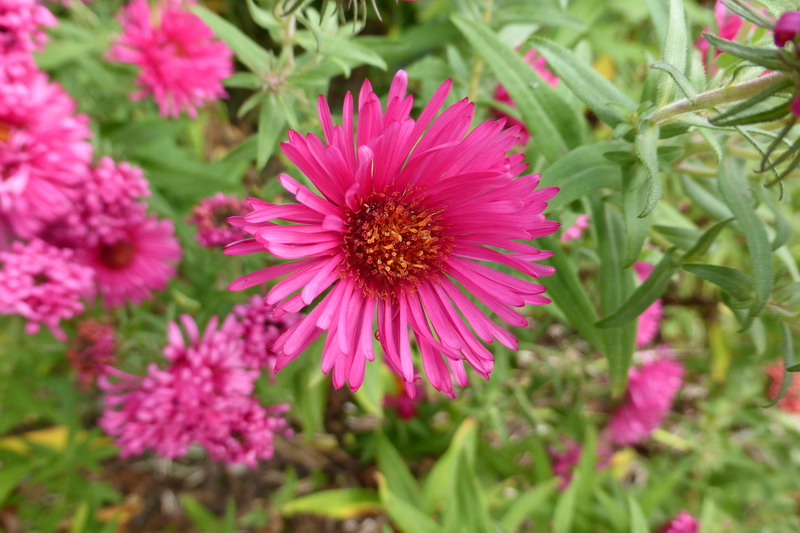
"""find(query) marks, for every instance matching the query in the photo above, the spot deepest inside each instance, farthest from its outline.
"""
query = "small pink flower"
(138, 262)
(261, 327)
(651, 390)
(564, 461)
(181, 63)
(43, 284)
(21, 26)
(91, 351)
(403, 403)
(791, 400)
(683, 523)
(650, 319)
(211, 218)
(787, 28)
(576, 230)
(395, 237)
(44, 154)
(203, 397)
(728, 26)
(501, 94)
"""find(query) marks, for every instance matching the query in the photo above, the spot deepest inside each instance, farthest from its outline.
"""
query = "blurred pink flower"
(650, 320)
(202, 397)
(260, 329)
(21, 26)
(181, 63)
(564, 461)
(651, 390)
(796, 105)
(501, 94)
(42, 284)
(395, 232)
(140, 261)
(682, 523)
(211, 218)
(44, 154)
(91, 351)
(791, 400)
(576, 230)
(728, 26)
(787, 28)
(405, 405)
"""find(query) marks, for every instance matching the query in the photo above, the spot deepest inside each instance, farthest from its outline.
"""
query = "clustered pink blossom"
(22, 24)
(91, 351)
(682, 523)
(650, 320)
(204, 396)
(539, 63)
(43, 284)
(261, 327)
(652, 388)
(181, 63)
(564, 460)
(576, 230)
(393, 237)
(211, 218)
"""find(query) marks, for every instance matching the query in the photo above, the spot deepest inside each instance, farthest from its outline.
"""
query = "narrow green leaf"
(678, 77)
(783, 231)
(683, 238)
(408, 518)
(659, 17)
(564, 513)
(10, 476)
(566, 290)
(645, 294)
(706, 199)
(594, 90)
(397, 475)
(271, 125)
(263, 17)
(735, 188)
(772, 109)
(634, 195)
(466, 510)
(733, 111)
(754, 16)
(647, 150)
(638, 521)
(734, 282)
(80, 518)
(347, 52)
(766, 57)
(676, 45)
(253, 56)
(705, 241)
(341, 504)
(527, 504)
(198, 514)
(437, 484)
(540, 107)
(582, 172)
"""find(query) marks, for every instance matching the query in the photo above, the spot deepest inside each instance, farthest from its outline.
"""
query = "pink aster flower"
(576, 230)
(564, 461)
(211, 218)
(501, 94)
(91, 351)
(682, 523)
(728, 26)
(42, 284)
(202, 397)
(44, 153)
(650, 320)
(260, 329)
(651, 390)
(139, 262)
(409, 212)
(109, 202)
(181, 63)
(21, 26)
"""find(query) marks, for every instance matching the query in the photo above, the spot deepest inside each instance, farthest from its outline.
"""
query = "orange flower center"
(5, 132)
(118, 255)
(391, 245)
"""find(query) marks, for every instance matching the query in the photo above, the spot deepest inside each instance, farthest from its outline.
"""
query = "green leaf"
(734, 282)
(616, 285)
(542, 110)
(437, 484)
(347, 53)
(676, 45)
(566, 290)
(582, 172)
(394, 469)
(408, 518)
(738, 109)
(634, 195)
(198, 514)
(644, 295)
(705, 241)
(465, 508)
(708, 200)
(678, 77)
(249, 53)
(647, 150)
(783, 231)
(594, 90)
(341, 504)
(565, 507)
(766, 57)
(638, 521)
(262, 17)
(10, 476)
(754, 16)
(271, 125)
(735, 188)
(527, 504)
(767, 111)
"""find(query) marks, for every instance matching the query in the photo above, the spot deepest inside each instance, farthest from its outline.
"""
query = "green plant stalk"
(477, 66)
(710, 99)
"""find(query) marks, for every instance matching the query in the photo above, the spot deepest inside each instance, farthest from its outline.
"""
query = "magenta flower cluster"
(204, 397)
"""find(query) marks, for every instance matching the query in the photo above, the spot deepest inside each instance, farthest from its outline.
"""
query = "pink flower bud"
(787, 28)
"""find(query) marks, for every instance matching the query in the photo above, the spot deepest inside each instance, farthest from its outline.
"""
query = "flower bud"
(787, 28)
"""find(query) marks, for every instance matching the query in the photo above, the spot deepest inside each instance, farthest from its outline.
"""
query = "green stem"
(709, 99)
